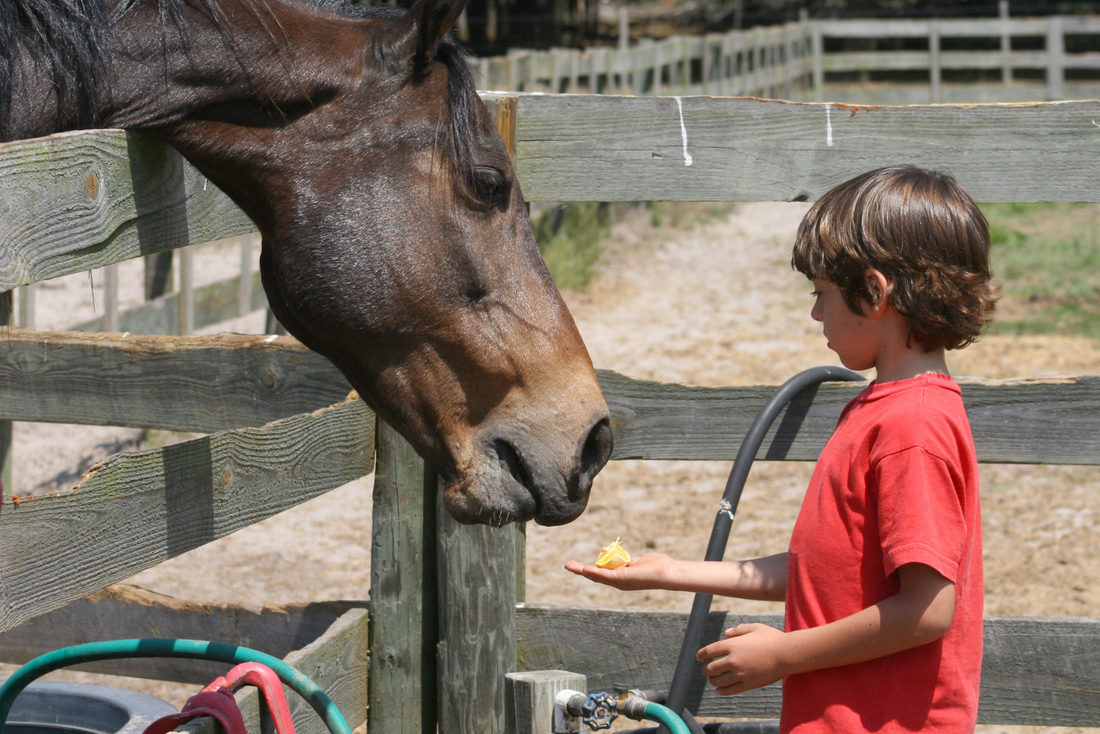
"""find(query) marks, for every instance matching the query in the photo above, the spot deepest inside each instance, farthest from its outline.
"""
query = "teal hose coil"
(168, 648)
(663, 715)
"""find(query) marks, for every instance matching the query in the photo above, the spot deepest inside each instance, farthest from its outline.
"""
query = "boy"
(883, 578)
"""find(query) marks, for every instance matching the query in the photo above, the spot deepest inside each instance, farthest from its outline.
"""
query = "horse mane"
(71, 38)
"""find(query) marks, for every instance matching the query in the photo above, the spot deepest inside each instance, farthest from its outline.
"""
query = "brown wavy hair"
(922, 232)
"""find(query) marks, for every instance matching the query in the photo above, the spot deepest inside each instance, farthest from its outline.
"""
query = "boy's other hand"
(750, 657)
(644, 572)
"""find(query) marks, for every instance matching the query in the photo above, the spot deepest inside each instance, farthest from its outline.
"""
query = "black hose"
(727, 508)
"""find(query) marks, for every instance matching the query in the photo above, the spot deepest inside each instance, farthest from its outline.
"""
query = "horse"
(396, 241)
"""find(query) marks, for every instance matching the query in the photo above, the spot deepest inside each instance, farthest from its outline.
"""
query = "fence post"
(1055, 60)
(244, 286)
(477, 624)
(186, 292)
(158, 274)
(7, 307)
(1006, 43)
(479, 584)
(817, 47)
(110, 298)
(403, 615)
(26, 306)
(934, 73)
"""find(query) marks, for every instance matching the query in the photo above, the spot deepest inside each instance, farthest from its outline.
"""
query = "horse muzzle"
(518, 476)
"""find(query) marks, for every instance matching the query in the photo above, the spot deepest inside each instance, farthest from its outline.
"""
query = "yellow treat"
(613, 556)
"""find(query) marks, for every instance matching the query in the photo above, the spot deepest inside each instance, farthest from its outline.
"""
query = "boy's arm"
(755, 655)
(760, 578)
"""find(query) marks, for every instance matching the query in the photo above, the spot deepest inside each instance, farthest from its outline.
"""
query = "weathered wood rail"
(283, 431)
(801, 61)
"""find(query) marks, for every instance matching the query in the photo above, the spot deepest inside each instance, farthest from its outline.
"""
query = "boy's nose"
(816, 312)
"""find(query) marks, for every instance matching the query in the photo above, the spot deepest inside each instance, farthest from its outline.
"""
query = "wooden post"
(479, 584)
(7, 307)
(244, 287)
(403, 615)
(477, 624)
(110, 298)
(186, 292)
(624, 28)
(1055, 60)
(934, 74)
(158, 274)
(27, 306)
(1006, 43)
(818, 46)
(530, 705)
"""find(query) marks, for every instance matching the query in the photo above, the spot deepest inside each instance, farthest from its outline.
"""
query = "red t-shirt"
(896, 483)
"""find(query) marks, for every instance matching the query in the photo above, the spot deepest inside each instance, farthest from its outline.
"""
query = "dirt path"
(710, 304)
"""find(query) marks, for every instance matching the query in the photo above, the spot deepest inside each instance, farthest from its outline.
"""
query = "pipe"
(170, 648)
(636, 707)
(727, 508)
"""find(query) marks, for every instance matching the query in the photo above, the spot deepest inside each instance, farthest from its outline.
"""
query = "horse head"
(398, 245)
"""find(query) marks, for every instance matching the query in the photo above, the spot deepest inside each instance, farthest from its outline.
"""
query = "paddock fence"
(1002, 59)
(445, 619)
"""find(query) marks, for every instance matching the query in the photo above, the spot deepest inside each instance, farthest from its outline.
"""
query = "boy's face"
(849, 334)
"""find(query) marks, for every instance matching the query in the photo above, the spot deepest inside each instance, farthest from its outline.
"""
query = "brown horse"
(395, 239)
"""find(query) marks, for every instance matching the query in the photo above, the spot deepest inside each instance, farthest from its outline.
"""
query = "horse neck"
(159, 75)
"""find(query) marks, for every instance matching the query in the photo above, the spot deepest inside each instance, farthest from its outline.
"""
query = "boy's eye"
(815, 294)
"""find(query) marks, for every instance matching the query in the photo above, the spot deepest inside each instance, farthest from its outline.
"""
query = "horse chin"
(495, 497)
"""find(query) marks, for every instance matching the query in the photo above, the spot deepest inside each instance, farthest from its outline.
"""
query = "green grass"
(569, 238)
(1046, 258)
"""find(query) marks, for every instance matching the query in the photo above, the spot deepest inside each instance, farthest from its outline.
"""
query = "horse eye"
(490, 185)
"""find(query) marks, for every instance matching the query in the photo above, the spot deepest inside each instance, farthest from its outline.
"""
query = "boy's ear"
(879, 287)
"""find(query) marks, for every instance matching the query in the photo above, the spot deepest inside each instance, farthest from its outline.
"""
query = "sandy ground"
(709, 303)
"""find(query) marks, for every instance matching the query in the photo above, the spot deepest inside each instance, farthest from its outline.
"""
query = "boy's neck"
(907, 359)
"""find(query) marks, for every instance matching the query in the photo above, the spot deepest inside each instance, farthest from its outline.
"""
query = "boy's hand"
(750, 657)
(650, 571)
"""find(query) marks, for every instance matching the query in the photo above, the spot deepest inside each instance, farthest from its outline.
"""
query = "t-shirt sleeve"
(920, 512)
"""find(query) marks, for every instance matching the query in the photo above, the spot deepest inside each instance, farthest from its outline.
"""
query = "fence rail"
(804, 61)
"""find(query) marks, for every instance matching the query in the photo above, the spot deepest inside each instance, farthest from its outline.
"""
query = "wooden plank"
(213, 304)
(214, 382)
(588, 148)
(1036, 671)
(59, 548)
(197, 383)
(337, 662)
(1014, 421)
(123, 611)
(909, 60)
(404, 616)
(77, 201)
(908, 28)
(477, 644)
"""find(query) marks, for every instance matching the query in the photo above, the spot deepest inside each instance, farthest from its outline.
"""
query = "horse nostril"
(511, 462)
(596, 451)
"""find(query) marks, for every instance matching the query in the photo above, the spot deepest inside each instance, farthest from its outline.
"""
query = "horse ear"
(416, 34)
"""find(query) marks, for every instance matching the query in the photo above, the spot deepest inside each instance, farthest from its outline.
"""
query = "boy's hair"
(920, 230)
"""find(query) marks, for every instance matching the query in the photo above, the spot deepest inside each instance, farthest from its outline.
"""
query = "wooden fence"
(805, 61)
(444, 624)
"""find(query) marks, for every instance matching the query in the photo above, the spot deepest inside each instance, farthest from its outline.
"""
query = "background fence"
(1002, 59)
(444, 625)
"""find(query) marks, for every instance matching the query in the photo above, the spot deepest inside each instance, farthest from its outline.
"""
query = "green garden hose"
(168, 648)
(663, 715)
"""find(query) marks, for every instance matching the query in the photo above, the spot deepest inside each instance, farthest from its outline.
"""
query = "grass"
(1046, 258)
(569, 237)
